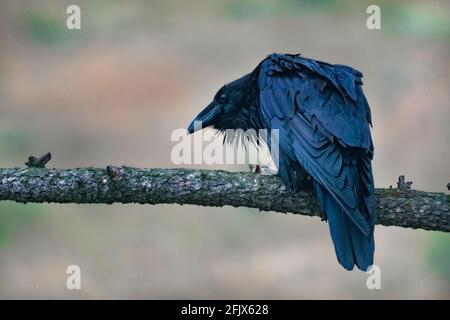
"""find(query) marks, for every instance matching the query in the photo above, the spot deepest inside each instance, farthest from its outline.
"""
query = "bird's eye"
(222, 97)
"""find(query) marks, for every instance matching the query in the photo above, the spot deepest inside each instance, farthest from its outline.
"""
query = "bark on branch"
(396, 207)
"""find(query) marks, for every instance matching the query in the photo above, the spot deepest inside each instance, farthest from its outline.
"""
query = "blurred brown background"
(112, 92)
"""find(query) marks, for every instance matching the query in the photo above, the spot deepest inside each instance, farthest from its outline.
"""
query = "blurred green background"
(112, 92)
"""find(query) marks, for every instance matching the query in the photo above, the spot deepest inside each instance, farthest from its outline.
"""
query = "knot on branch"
(114, 172)
(40, 162)
(403, 184)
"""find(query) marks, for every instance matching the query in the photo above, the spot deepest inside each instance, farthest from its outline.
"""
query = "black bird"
(324, 124)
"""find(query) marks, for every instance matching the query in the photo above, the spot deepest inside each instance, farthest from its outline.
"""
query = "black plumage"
(324, 123)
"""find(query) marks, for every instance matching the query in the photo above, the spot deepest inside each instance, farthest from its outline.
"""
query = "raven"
(325, 142)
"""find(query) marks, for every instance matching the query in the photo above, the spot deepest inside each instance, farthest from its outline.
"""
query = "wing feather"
(324, 121)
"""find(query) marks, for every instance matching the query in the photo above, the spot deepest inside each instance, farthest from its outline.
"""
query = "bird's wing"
(323, 120)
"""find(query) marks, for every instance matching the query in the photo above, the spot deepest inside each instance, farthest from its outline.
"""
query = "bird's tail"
(351, 245)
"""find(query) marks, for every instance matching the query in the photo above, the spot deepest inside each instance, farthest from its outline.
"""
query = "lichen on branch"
(395, 207)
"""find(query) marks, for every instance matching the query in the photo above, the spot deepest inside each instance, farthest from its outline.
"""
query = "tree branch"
(395, 207)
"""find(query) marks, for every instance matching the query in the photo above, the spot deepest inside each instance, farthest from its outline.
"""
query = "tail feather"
(350, 244)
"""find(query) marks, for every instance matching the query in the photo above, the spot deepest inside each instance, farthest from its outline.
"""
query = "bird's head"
(232, 108)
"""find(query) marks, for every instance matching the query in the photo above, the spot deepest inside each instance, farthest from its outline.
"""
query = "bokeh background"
(112, 93)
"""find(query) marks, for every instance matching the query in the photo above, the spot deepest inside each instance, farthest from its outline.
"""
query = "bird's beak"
(205, 119)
